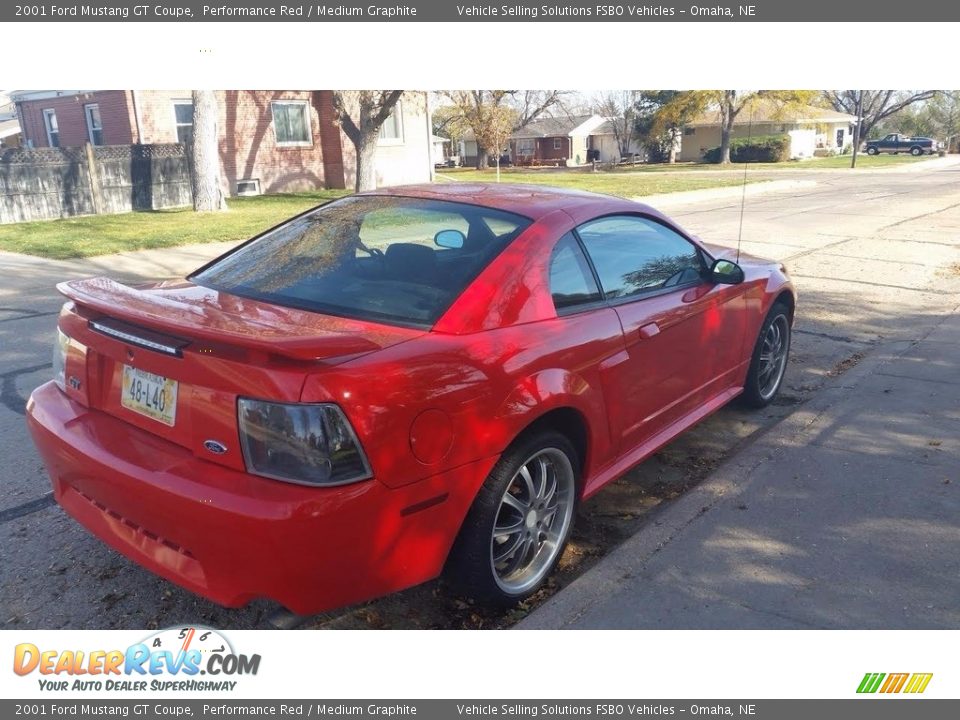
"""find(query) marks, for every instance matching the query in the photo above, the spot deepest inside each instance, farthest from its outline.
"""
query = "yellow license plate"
(148, 394)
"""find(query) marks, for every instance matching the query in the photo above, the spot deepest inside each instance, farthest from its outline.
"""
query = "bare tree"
(361, 114)
(877, 104)
(482, 112)
(619, 107)
(205, 155)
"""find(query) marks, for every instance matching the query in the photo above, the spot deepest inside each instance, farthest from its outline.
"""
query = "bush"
(763, 148)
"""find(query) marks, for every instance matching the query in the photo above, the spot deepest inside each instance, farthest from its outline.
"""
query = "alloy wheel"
(532, 521)
(773, 356)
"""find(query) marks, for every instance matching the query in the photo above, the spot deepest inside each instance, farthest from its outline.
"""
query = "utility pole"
(856, 129)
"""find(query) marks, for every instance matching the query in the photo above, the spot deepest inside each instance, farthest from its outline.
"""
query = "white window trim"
(401, 140)
(173, 111)
(87, 116)
(47, 113)
(558, 143)
(273, 121)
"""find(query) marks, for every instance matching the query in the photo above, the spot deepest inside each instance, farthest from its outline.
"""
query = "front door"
(681, 335)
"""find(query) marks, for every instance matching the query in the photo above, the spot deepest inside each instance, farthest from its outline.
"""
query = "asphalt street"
(875, 256)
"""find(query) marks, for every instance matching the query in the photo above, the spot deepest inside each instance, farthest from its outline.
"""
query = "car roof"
(532, 201)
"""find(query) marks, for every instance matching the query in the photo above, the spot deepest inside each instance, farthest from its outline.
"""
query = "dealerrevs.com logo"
(172, 659)
(910, 683)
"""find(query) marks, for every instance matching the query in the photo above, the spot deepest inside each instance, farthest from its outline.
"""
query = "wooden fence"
(48, 183)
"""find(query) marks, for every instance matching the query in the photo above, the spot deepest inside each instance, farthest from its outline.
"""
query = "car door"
(682, 337)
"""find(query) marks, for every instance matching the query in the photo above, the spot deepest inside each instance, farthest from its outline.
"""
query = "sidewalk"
(845, 515)
(25, 273)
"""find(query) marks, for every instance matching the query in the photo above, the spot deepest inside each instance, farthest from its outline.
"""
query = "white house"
(812, 130)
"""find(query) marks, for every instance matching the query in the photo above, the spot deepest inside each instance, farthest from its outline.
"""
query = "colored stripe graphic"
(918, 683)
(894, 683)
(870, 682)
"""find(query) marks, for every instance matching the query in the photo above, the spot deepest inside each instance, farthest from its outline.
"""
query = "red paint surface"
(433, 410)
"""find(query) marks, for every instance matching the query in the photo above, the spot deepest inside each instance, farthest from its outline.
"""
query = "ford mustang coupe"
(395, 385)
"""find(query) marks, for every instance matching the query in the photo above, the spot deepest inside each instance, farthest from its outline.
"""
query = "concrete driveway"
(876, 258)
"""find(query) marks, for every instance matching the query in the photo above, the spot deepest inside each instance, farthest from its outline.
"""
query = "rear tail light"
(308, 444)
(60, 346)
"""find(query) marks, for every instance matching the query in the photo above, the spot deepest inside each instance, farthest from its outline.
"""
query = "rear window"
(390, 259)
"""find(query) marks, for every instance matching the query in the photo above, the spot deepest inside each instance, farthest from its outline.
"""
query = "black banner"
(464, 11)
(852, 709)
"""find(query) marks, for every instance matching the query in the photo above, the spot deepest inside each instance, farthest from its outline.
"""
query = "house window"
(689, 131)
(53, 131)
(183, 120)
(291, 122)
(525, 148)
(94, 126)
(557, 144)
(391, 132)
(248, 186)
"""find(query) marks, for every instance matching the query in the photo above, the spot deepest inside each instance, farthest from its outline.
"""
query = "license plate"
(148, 394)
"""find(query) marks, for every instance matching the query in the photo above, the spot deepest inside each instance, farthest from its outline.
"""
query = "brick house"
(270, 140)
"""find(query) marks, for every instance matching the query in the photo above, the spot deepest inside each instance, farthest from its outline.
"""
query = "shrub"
(763, 148)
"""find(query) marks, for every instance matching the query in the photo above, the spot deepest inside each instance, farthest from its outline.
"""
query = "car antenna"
(743, 195)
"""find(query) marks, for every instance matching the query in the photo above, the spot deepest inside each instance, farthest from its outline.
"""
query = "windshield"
(373, 257)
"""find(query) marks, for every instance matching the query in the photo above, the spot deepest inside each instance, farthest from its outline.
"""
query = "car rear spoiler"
(292, 333)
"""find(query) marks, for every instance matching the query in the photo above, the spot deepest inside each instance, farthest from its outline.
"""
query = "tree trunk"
(207, 195)
(483, 158)
(367, 162)
(727, 117)
(672, 157)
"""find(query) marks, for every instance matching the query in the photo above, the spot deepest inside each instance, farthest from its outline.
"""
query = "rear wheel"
(916, 151)
(769, 361)
(519, 523)
(872, 151)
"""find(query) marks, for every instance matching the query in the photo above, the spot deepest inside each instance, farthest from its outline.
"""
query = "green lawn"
(615, 182)
(103, 234)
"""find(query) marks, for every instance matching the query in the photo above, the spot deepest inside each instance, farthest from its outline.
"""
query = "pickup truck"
(897, 143)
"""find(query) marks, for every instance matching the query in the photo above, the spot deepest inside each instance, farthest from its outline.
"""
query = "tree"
(205, 154)
(361, 114)
(483, 112)
(660, 117)
(620, 110)
(729, 104)
(877, 104)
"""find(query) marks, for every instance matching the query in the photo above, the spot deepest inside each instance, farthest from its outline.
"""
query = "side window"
(634, 256)
(571, 282)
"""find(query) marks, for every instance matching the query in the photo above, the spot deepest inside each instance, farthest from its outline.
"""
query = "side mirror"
(453, 239)
(726, 272)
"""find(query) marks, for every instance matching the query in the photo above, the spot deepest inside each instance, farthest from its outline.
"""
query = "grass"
(616, 182)
(104, 234)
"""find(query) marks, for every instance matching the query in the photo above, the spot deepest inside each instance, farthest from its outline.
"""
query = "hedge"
(763, 148)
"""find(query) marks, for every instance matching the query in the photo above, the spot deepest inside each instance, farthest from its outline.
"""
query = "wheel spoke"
(527, 478)
(508, 548)
(516, 503)
(501, 530)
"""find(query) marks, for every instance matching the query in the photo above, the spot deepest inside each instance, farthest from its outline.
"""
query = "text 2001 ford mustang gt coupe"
(396, 384)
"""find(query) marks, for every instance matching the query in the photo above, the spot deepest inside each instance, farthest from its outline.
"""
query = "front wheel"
(519, 523)
(769, 361)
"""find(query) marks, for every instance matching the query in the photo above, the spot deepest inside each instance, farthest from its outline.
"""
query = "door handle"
(649, 330)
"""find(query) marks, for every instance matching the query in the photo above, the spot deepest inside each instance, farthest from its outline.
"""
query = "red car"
(397, 384)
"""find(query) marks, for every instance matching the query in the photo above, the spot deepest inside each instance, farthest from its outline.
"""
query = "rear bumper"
(233, 537)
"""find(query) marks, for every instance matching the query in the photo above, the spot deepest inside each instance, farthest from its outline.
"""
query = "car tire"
(519, 523)
(916, 152)
(768, 364)
(872, 151)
